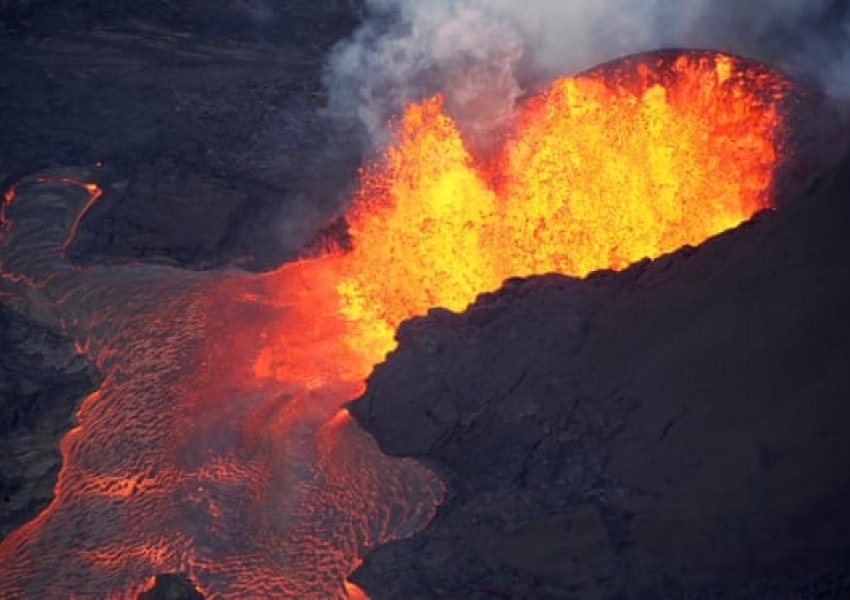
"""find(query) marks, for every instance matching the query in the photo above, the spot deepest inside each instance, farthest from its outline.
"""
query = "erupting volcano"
(628, 161)
(218, 445)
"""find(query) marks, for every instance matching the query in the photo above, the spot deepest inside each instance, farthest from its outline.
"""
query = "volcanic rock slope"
(206, 116)
(678, 429)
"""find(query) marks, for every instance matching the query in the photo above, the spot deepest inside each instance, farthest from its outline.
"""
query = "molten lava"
(217, 446)
(600, 171)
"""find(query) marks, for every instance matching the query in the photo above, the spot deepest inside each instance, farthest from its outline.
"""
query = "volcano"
(220, 442)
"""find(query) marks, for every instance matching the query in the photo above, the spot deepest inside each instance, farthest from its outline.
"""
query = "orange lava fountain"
(601, 170)
(217, 445)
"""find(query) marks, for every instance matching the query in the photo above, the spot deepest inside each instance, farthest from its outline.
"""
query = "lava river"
(218, 445)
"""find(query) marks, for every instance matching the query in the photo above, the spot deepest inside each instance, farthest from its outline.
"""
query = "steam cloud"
(485, 54)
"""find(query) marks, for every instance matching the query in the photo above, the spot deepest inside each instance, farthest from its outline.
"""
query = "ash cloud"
(486, 54)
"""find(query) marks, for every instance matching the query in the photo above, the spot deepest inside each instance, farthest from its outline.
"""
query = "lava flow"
(217, 445)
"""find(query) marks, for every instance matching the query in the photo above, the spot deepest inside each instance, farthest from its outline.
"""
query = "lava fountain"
(631, 160)
(218, 445)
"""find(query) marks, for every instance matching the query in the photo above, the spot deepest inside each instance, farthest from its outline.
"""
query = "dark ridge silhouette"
(675, 430)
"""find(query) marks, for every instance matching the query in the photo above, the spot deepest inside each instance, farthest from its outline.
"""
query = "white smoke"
(485, 54)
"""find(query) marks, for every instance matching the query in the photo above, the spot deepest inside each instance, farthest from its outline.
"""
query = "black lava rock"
(42, 380)
(679, 429)
(208, 116)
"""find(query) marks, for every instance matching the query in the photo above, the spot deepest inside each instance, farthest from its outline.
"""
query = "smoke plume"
(486, 54)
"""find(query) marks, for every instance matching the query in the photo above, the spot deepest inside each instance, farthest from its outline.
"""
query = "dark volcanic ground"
(680, 429)
(206, 116)
(42, 380)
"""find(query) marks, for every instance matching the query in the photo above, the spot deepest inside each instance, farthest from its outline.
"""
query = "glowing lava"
(216, 445)
(601, 170)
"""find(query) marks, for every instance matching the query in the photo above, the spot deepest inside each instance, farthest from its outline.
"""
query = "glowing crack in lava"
(217, 445)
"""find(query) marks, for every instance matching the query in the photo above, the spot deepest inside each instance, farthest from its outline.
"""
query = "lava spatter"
(628, 161)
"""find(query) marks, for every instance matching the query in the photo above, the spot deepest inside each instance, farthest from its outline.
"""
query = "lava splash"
(217, 445)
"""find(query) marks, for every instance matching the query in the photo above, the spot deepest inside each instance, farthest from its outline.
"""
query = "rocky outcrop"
(42, 380)
(675, 430)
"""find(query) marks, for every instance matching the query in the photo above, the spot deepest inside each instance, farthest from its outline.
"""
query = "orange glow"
(353, 592)
(5, 221)
(600, 176)
(601, 170)
(340, 419)
(217, 444)
(94, 193)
